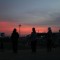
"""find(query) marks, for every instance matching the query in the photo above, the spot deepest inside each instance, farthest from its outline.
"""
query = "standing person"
(49, 39)
(2, 39)
(59, 37)
(14, 38)
(33, 40)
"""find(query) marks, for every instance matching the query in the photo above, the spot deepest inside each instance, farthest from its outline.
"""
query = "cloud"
(56, 18)
(53, 19)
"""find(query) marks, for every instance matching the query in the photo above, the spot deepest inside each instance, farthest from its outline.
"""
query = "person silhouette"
(2, 45)
(14, 38)
(33, 40)
(49, 39)
(59, 37)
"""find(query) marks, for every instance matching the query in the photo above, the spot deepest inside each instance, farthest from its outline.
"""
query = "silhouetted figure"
(59, 31)
(49, 39)
(2, 39)
(33, 40)
(14, 38)
(59, 37)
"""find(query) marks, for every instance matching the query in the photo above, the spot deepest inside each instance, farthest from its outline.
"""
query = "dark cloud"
(56, 18)
(53, 20)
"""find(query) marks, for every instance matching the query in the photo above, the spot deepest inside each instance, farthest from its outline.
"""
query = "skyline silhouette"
(24, 30)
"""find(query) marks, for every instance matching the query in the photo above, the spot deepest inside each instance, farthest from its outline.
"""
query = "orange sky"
(8, 27)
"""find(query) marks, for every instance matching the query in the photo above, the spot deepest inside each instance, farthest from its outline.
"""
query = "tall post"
(19, 29)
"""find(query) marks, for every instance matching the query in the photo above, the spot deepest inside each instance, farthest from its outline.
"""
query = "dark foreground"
(41, 54)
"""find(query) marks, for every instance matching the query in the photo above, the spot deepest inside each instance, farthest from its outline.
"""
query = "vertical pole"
(19, 29)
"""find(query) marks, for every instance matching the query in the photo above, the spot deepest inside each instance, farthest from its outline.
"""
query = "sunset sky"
(29, 13)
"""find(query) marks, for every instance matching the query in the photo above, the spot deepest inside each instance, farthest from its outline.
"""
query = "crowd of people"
(33, 40)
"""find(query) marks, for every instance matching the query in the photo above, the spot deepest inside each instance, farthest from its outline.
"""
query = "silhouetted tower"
(19, 29)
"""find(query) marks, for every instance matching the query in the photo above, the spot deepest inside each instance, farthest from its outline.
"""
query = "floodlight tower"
(19, 29)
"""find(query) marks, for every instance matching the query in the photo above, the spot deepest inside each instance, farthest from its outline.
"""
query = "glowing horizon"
(40, 14)
(7, 28)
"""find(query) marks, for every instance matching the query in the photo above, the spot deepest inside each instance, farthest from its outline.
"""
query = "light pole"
(19, 29)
